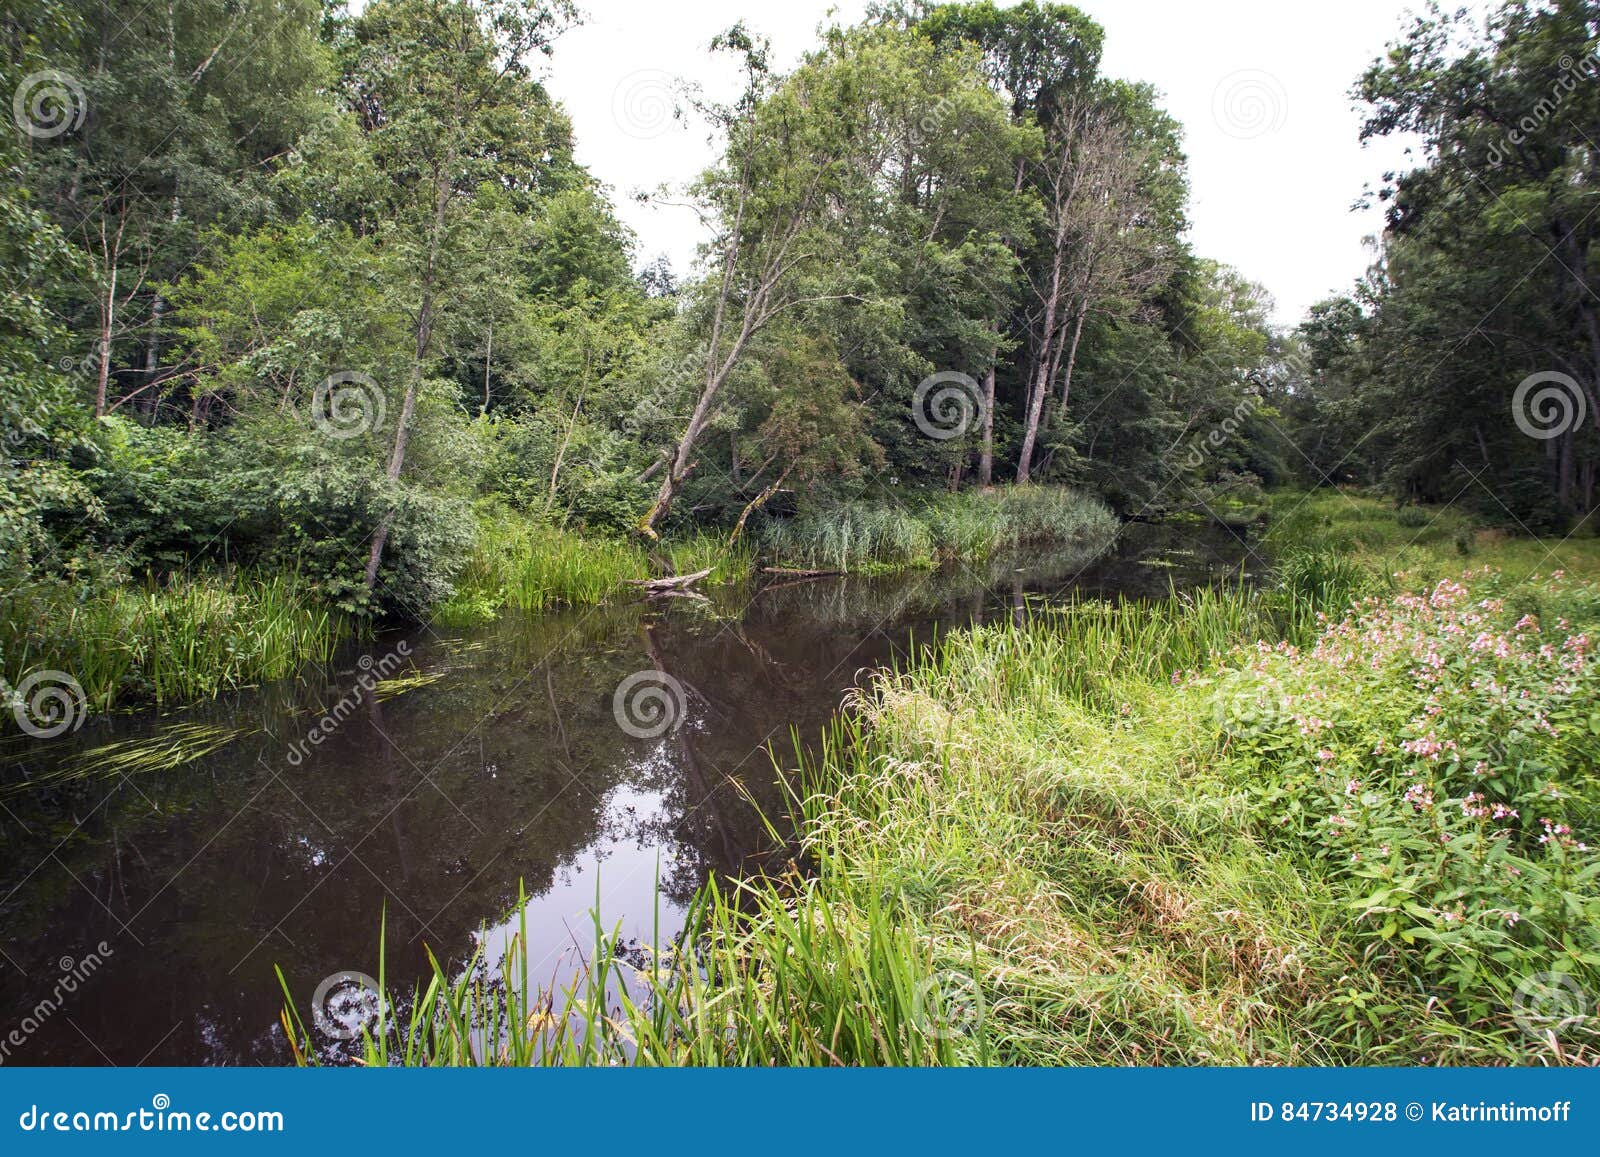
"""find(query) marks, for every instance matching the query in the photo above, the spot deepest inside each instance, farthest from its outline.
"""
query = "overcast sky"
(1260, 87)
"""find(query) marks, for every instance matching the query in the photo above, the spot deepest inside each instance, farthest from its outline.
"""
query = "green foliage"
(1424, 380)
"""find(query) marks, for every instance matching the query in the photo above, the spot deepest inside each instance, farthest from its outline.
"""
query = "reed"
(171, 642)
(730, 564)
(761, 976)
(969, 526)
(530, 566)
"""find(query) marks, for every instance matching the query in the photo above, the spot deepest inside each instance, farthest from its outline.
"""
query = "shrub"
(1437, 760)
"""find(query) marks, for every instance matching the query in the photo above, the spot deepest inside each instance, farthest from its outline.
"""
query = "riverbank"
(96, 645)
(1345, 818)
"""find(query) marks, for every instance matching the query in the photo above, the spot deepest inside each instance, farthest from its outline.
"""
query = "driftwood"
(793, 572)
(675, 582)
(692, 596)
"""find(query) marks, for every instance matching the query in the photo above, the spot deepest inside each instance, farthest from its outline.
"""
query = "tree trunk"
(1048, 337)
(755, 504)
(108, 310)
(408, 407)
(986, 455)
(1072, 358)
(488, 353)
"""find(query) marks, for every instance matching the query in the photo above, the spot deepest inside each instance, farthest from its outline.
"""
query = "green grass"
(167, 643)
(729, 564)
(529, 566)
(805, 982)
(1419, 542)
(1110, 821)
(970, 526)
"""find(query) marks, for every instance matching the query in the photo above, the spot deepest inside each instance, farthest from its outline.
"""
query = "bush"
(1412, 517)
(1436, 759)
(270, 497)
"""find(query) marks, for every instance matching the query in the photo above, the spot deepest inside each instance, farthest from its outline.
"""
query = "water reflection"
(490, 757)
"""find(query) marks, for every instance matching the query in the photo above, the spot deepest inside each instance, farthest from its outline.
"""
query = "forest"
(314, 335)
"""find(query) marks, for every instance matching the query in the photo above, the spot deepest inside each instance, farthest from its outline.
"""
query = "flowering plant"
(1438, 751)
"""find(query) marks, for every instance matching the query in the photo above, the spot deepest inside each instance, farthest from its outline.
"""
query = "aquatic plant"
(529, 566)
(970, 526)
(177, 641)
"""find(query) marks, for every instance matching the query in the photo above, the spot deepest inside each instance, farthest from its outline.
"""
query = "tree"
(1488, 271)
(765, 201)
(443, 93)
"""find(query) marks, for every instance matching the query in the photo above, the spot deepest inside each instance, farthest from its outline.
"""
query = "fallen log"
(794, 572)
(675, 582)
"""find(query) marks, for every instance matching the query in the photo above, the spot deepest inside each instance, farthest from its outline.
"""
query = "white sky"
(1260, 87)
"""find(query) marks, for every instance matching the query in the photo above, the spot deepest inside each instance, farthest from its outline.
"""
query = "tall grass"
(530, 566)
(167, 643)
(704, 549)
(970, 526)
(803, 981)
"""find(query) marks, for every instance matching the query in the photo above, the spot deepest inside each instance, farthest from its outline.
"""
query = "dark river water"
(154, 869)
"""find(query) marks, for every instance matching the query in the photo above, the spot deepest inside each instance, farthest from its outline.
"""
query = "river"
(155, 868)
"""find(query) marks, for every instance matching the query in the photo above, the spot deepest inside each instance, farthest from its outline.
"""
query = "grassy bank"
(1345, 818)
(969, 526)
(164, 643)
(530, 566)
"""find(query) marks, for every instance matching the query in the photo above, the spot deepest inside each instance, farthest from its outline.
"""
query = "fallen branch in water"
(793, 572)
(675, 582)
